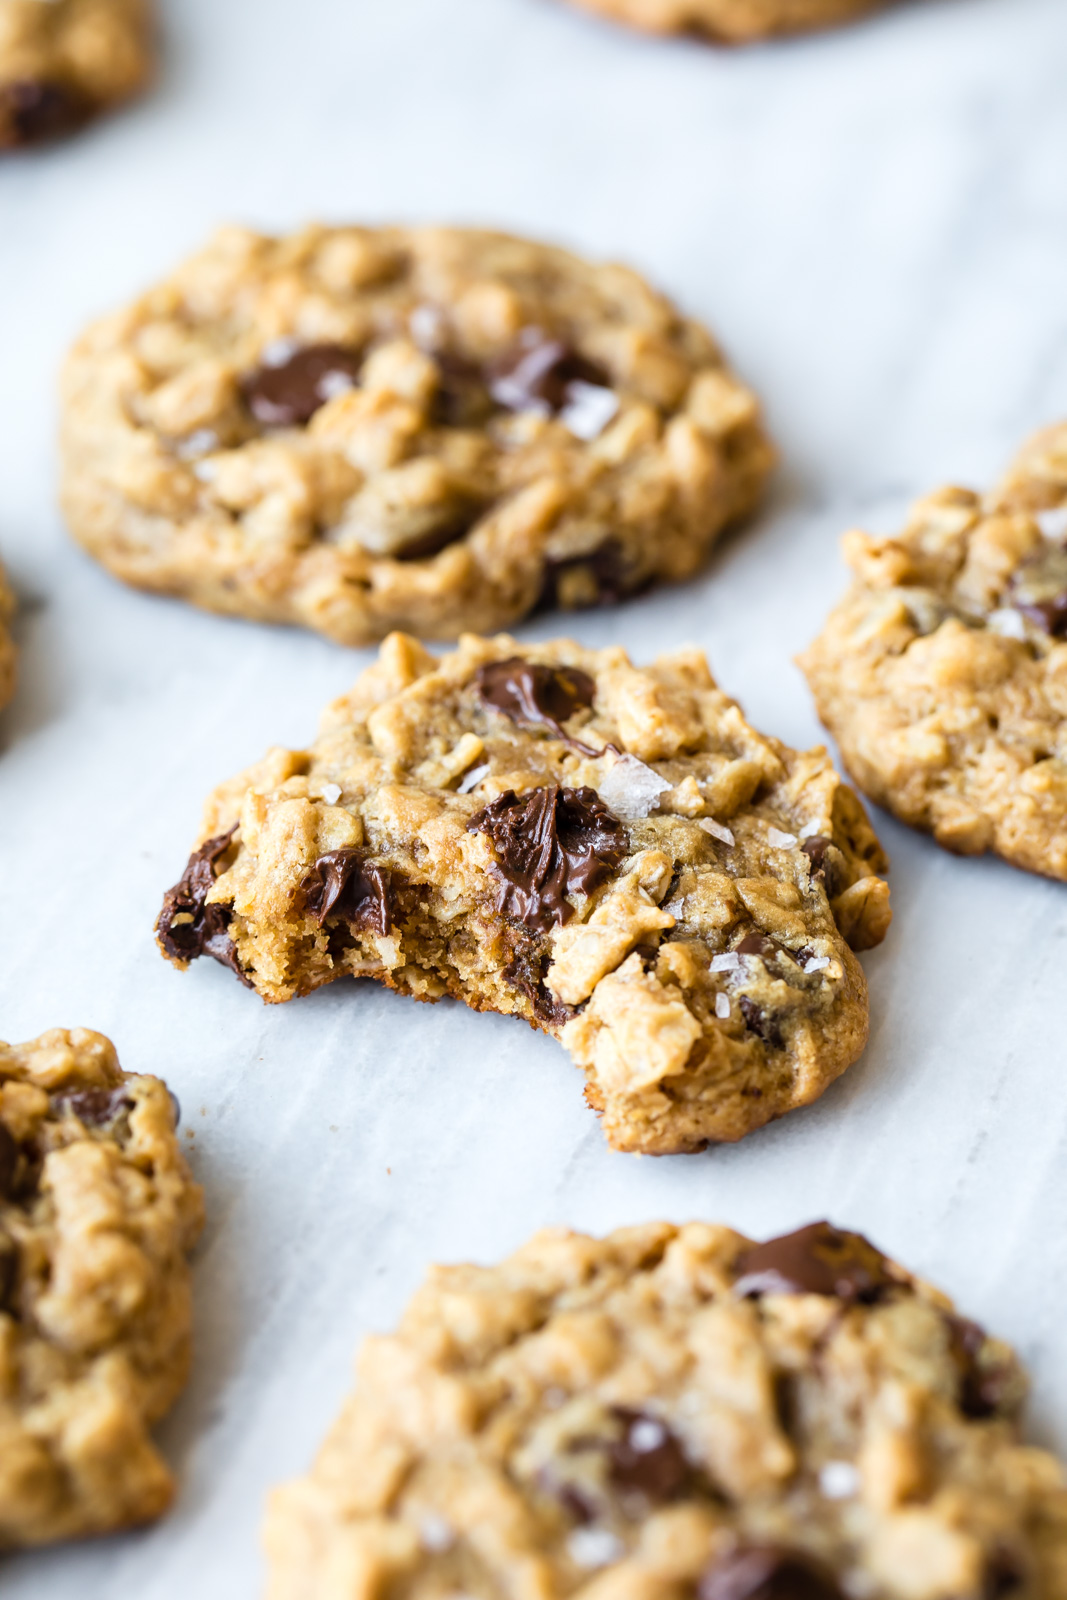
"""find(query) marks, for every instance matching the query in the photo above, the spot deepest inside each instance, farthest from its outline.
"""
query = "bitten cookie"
(97, 1215)
(64, 61)
(611, 852)
(678, 1412)
(943, 673)
(437, 429)
(8, 668)
(732, 21)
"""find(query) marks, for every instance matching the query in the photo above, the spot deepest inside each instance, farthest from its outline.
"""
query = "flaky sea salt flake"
(473, 779)
(588, 410)
(780, 840)
(722, 1007)
(729, 961)
(331, 793)
(630, 789)
(717, 830)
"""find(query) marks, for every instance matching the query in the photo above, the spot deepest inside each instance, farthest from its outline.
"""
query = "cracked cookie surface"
(611, 852)
(678, 1414)
(942, 674)
(8, 654)
(64, 61)
(732, 21)
(363, 429)
(98, 1213)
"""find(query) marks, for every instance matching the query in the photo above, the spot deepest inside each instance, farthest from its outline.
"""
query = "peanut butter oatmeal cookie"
(433, 429)
(7, 643)
(611, 852)
(97, 1215)
(680, 1413)
(943, 673)
(63, 61)
(732, 21)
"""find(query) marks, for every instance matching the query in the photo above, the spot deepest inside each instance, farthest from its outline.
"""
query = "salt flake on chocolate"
(631, 789)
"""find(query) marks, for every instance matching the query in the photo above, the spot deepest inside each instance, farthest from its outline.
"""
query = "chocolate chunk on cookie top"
(623, 1417)
(63, 61)
(611, 852)
(364, 429)
(98, 1213)
(941, 672)
(732, 21)
(8, 669)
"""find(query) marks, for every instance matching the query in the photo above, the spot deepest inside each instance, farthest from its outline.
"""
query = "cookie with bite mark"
(611, 852)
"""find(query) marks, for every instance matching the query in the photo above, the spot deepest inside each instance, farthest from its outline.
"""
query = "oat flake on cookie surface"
(63, 61)
(732, 21)
(8, 656)
(98, 1213)
(432, 429)
(611, 852)
(678, 1414)
(943, 673)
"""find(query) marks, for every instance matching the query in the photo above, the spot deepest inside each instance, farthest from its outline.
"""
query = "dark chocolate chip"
(823, 865)
(446, 533)
(1039, 590)
(767, 1572)
(526, 971)
(538, 373)
(818, 1259)
(760, 1022)
(9, 1272)
(606, 578)
(1004, 1572)
(188, 927)
(94, 1107)
(549, 842)
(345, 884)
(984, 1386)
(32, 112)
(289, 394)
(532, 694)
(647, 1459)
(9, 1160)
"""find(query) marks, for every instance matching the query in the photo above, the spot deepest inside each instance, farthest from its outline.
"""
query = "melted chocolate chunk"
(760, 1022)
(345, 884)
(1004, 1573)
(9, 1160)
(818, 1259)
(94, 1107)
(538, 373)
(9, 1272)
(1039, 590)
(605, 578)
(647, 1459)
(759, 944)
(187, 926)
(983, 1386)
(549, 843)
(767, 1572)
(526, 971)
(462, 399)
(533, 695)
(289, 394)
(817, 849)
(34, 112)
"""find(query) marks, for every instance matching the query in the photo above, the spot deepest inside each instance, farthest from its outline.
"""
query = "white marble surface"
(876, 223)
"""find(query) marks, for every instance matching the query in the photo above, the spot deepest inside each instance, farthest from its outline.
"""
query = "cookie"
(98, 1213)
(943, 673)
(7, 643)
(430, 429)
(611, 852)
(678, 1412)
(64, 61)
(731, 21)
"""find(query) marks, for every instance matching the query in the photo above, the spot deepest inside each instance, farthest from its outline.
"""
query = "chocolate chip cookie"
(943, 673)
(679, 1412)
(64, 61)
(97, 1215)
(433, 429)
(732, 21)
(611, 852)
(7, 643)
